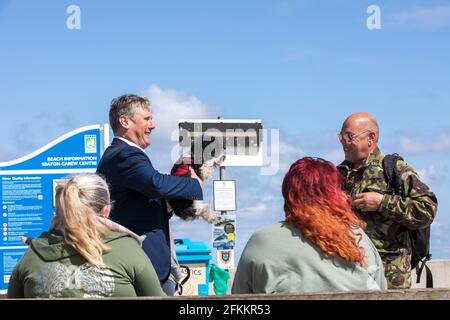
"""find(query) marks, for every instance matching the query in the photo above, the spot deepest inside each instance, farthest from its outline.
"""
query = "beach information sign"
(27, 188)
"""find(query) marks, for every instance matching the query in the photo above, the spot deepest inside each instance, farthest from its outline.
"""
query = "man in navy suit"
(137, 189)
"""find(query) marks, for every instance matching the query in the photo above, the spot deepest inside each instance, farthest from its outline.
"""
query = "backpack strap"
(429, 275)
(429, 280)
(391, 173)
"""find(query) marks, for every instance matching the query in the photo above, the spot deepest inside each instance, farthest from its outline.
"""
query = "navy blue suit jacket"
(138, 192)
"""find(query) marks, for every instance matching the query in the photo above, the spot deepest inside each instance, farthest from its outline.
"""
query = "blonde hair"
(78, 200)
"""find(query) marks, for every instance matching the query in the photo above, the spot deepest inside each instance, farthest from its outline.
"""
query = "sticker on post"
(224, 233)
(225, 259)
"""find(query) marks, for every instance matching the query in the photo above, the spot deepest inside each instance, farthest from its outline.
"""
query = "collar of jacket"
(374, 158)
(130, 143)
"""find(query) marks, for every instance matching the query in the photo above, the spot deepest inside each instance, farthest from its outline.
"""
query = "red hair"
(316, 204)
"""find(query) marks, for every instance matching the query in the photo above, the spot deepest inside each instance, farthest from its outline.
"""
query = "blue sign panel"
(27, 189)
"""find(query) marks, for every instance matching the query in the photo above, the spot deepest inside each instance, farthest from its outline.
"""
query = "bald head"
(362, 121)
(359, 137)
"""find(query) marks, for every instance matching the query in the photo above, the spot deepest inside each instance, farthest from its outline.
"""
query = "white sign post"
(241, 142)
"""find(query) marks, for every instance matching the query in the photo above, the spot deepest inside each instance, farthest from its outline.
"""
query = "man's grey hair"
(125, 105)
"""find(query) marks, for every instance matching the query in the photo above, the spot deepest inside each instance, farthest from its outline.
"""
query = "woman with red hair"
(320, 246)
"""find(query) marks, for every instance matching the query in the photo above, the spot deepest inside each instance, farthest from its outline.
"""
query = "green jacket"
(388, 227)
(52, 268)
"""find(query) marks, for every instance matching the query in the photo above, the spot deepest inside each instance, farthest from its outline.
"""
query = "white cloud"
(6, 155)
(262, 201)
(437, 227)
(422, 145)
(258, 210)
(22, 136)
(268, 198)
(428, 174)
(440, 239)
(44, 127)
(169, 106)
(422, 17)
(336, 156)
(408, 144)
(433, 176)
(288, 155)
(442, 142)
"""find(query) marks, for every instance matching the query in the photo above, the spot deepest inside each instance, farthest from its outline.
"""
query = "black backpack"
(420, 238)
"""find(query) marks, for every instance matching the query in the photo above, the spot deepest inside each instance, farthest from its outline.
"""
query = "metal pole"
(222, 170)
(105, 141)
(222, 173)
(222, 177)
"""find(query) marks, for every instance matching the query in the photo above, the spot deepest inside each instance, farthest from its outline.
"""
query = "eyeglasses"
(349, 137)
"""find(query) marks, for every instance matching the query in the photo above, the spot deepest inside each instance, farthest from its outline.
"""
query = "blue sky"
(300, 66)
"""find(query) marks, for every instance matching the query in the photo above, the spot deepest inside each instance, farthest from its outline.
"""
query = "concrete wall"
(410, 294)
(441, 274)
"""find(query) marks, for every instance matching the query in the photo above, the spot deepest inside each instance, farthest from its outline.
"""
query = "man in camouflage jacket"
(388, 217)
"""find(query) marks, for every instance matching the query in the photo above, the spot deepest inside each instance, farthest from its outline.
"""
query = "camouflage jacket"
(388, 227)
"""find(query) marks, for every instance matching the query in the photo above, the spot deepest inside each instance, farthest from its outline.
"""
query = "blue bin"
(195, 256)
